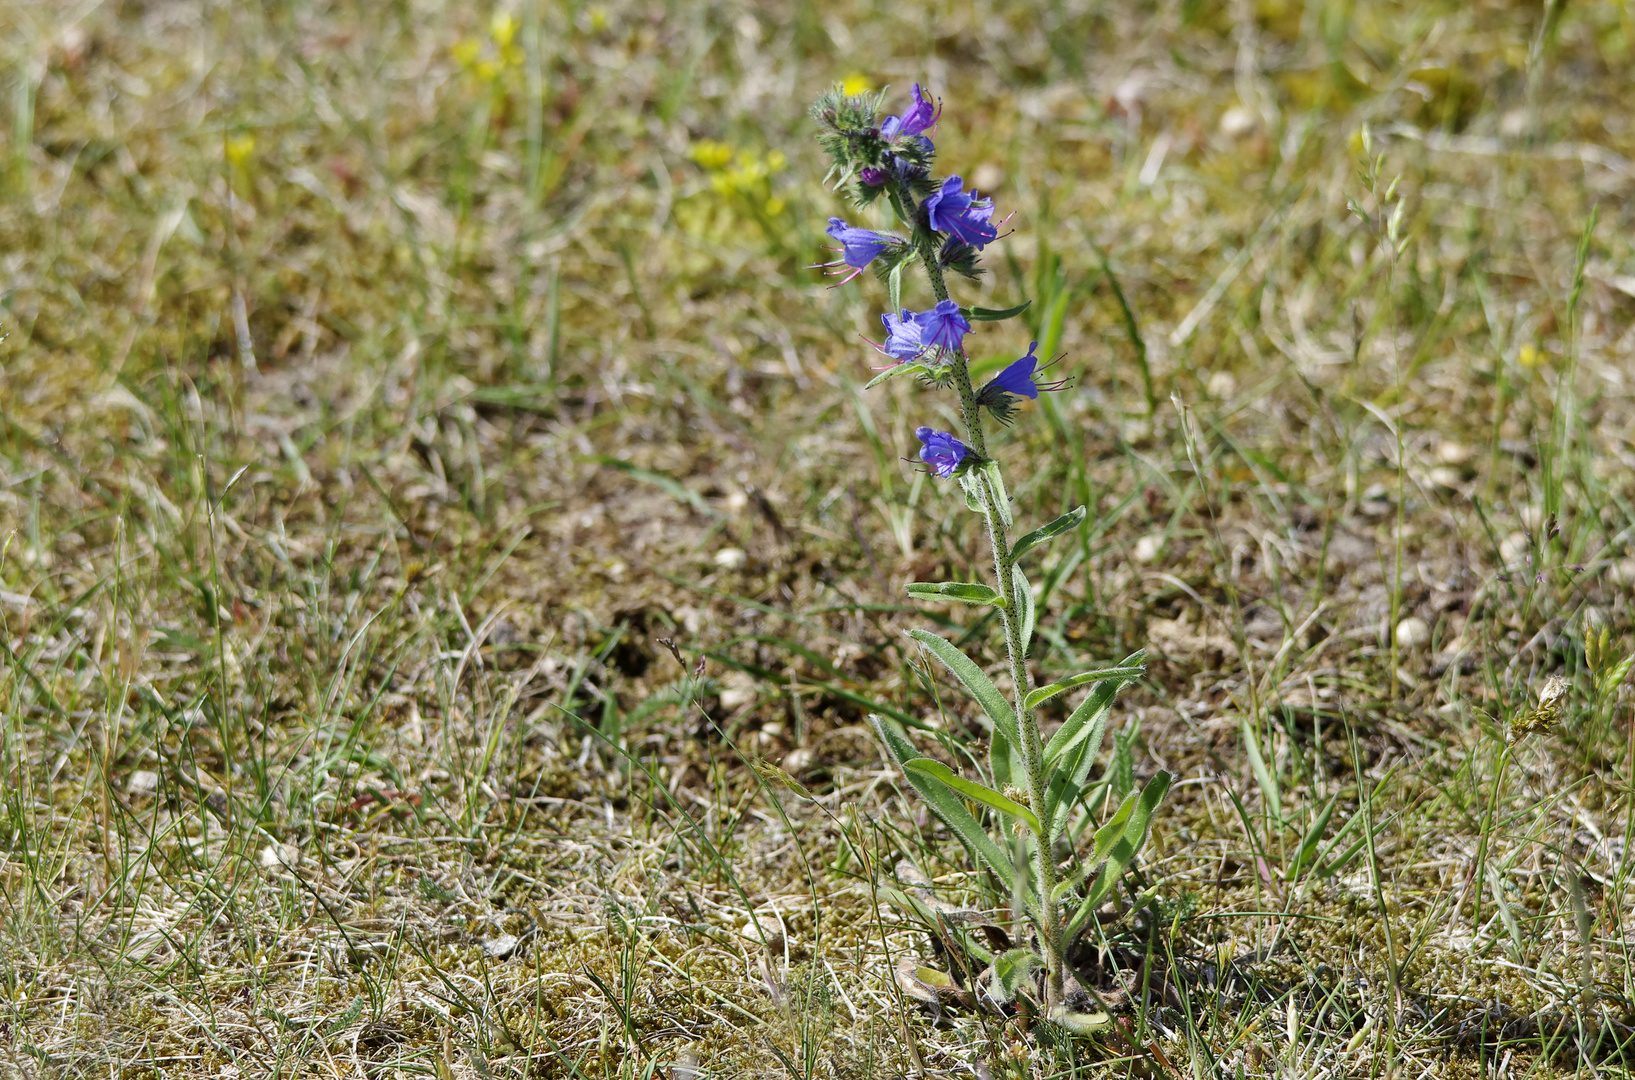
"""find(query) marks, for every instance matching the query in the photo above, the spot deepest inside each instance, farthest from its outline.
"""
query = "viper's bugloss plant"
(1038, 794)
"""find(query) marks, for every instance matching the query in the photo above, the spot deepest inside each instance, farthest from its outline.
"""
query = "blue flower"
(1016, 381)
(961, 214)
(918, 118)
(944, 327)
(873, 177)
(858, 247)
(940, 450)
(904, 335)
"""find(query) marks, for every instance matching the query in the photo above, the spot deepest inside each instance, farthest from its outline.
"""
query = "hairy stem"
(1032, 747)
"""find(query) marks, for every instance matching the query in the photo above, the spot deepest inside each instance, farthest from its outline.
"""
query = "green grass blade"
(1263, 775)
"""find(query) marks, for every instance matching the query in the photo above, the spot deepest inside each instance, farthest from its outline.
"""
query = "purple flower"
(858, 247)
(944, 327)
(941, 451)
(919, 117)
(961, 214)
(1015, 381)
(904, 335)
(873, 177)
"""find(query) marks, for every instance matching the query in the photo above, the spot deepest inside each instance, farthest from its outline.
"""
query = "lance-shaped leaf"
(964, 592)
(1122, 852)
(1001, 498)
(944, 803)
(1066, 523)
(1025, 614)
(982, 314)
(980, 686)
(1100, 846)
(1082, 724)
(894, 286)
(941, 773)
(1045, 693)
(895, 370)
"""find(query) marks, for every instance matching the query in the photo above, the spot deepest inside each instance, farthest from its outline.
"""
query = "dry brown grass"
(328, 673)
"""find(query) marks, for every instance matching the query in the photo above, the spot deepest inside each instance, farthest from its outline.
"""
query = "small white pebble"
(1237, 122)
(276, 855)
(1452, 453)
(1222, 385)
(1413, 633)
(1148, 547)
(731, 558)
(987, 177)
(142, 782)
(1446, 477)
(734, 697)
(500, 947)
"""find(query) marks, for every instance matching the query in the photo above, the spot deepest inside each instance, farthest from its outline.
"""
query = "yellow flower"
(488, 70)
(776, 161)
(466, 51)
(855, 84)
(598, 19)
(238, 149)
(1530, 356)
(710, 154)
(503, 29)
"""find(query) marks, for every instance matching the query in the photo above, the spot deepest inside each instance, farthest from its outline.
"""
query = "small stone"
(1413, 633)
(1621, 572)
(1222, 385)
(1148, 547)
(798, 761)
(735, 697)
(274, 856)
(1452, 453)
(1237, 122)
(1447, 477)
(500, 947)
(1513, 549)
(142, 782)
(988, 177)
(731, 558)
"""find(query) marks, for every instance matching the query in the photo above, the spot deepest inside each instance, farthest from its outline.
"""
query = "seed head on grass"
(1552, 705)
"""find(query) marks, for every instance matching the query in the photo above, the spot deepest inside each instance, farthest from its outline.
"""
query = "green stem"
(1032, 747)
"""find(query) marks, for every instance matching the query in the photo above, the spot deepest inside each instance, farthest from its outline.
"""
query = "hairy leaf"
(1045, 693)
(982, 314)
(964, 592)
(944, 803)
(1066, 523)
(980, 686)
(970, 788)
